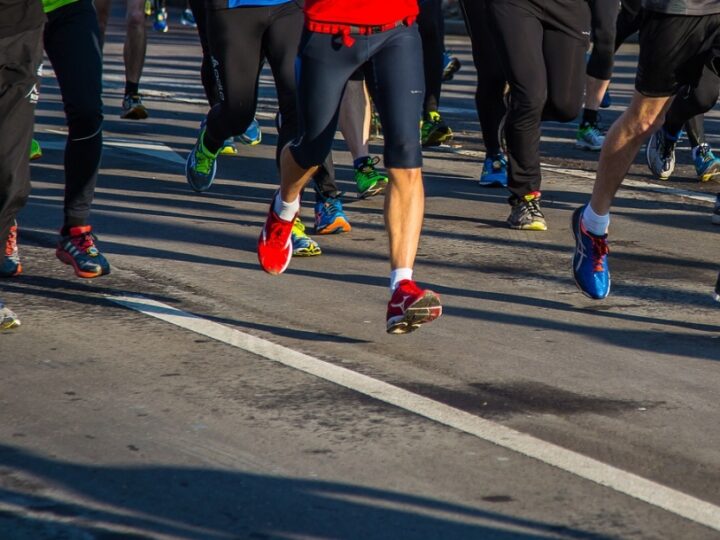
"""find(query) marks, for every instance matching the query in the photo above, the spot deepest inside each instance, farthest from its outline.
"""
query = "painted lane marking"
(668, 499)
(649, 186)
(152, 149)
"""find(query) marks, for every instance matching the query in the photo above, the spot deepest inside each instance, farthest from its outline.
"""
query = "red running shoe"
(275, 243)
(411, 306)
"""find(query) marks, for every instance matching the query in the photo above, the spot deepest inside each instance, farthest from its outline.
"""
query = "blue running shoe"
(707, 166)
(160, 23)
(188, 19)
(494, 172)
(451, 65)
(252, 135)
(606, 100)
(329, 216)
(201, 166)
(590, 264)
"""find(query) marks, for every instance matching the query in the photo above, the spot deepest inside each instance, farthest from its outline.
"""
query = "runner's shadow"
(47, 498)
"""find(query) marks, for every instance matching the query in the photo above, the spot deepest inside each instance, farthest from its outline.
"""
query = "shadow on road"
(43, 498)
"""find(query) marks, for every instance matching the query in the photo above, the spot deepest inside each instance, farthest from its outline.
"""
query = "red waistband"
(345, 30)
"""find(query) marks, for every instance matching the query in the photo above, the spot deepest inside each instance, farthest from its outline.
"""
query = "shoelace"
(534, 208)
(600, 249)
(277, 236)
(85, 242)
(705, 153)
(11, 244)
(299, 228)
(332, 206)
(203, 162)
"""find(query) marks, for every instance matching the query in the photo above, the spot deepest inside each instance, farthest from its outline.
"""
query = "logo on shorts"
(33, 95)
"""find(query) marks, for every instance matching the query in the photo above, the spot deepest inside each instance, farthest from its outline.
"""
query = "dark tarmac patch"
(495, 400)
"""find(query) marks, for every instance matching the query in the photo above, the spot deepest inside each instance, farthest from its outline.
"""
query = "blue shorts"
(325, 64)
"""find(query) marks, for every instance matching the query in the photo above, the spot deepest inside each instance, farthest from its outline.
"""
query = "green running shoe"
(35, 150)
(369, 180)
(433, 131)
(201, 166)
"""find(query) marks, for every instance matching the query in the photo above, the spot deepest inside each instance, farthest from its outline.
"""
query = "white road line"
(649, 186)
(152, 149)
(679, 503)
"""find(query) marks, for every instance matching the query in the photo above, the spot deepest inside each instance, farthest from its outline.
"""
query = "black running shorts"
(673, 51)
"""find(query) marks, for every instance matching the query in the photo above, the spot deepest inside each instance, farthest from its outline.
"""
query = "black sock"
(589, 117)
(132, 88)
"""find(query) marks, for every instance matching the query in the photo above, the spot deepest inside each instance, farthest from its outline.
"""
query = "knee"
(527, 106)
(308, 154)
(563, 111)
(563, 108)
(84, 122)
(136, 18)
(705, 97)
(642, 121)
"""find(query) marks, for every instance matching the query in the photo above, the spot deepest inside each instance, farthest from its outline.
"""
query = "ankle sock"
(399, 274)
(132, 88)
(286, 210)
(594, 223)
(589, 117)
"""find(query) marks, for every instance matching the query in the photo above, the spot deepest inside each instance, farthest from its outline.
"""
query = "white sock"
(397, 275)
(286, 210)
(595, 224)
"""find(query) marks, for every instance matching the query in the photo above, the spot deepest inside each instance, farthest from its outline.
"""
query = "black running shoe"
(526, 214)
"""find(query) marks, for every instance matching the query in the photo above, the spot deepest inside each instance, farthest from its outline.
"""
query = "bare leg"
(404, 209)
(354, 120)
(103, 14)
(135, 41)
(624, 139)
(293, 178)
(594, 92)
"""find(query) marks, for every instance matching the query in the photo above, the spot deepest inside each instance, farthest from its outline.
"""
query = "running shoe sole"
(8, 321)
(136, 113)
(377, 189)
(66, 258)
(712, 174)
(534, 226)
(338, 226)
(582, 145)
(437, 140)
(228, 150)
(424, 310)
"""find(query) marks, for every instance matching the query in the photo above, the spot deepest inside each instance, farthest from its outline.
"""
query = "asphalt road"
(225, 403)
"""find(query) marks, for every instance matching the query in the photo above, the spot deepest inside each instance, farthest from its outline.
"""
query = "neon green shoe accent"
(35, 150)
(204, 158)
(369, 180)
(303, 245)
(433, 131)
